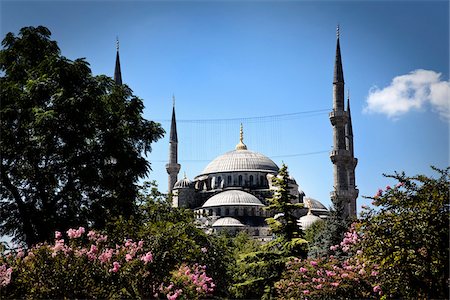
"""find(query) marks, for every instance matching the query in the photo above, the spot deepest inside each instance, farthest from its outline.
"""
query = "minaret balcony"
(340, 155)
(345, 194)
(338, 116)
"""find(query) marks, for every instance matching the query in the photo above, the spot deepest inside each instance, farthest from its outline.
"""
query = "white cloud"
(417, 90)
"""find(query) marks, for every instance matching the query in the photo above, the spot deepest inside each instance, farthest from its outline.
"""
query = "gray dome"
(306, 221)
(241, 160)
(316, 205)
(227, 222)
(182, 184)
(232, 198)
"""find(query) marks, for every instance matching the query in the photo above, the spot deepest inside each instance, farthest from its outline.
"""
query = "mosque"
(232, 190)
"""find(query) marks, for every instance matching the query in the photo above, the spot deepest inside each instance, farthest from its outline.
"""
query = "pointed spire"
(117, 72)
(241, 145)
(349, 123)
(173, 126)
(338, 72)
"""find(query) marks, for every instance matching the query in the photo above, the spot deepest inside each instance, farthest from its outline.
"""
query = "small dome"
(234, 198)
(316, 205)
(306, 221)
(183, 183)
(227, 222)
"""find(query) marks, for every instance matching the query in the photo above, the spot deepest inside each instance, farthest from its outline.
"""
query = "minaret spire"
(241, 145)
(342, 156)
(173, 167)
(117, 72)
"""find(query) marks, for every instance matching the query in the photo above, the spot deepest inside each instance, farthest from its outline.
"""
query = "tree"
(331, 233)
(407, 235)
(72, 143)
(258, 271)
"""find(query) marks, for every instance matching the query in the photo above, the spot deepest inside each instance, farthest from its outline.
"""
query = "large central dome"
(241, 160)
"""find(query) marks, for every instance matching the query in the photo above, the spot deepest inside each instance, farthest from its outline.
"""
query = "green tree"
(407, 235)
(72, 143)
(331, 233)
(258, 271)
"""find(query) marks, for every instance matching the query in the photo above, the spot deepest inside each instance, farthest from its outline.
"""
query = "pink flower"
(374, 273)
(330, 273)
(140, 244)
(400, 184)
(5, 275)
(319, 286)
(204, 250)
(73, 234)
(359, 252)
(362, 272)
(335, 284)
(313, 263)
(58, 235)
(333, 248)
(115, 267)
(344, 275)
(128, 257)
(388, 187)
(302, 270)
(106, 255)
(148, 257)
(306, 292)
(379, 193)
(376, 289)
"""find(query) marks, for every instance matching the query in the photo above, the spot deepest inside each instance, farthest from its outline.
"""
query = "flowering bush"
(86, 266)
(331, 278)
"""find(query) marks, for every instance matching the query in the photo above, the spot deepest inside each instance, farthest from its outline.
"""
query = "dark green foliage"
(408, 236)
(72, 143)
(331, 234)
(312, 231)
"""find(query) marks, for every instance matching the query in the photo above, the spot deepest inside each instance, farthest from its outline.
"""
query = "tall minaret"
(117, 72)
(342, 153)
(173, 167)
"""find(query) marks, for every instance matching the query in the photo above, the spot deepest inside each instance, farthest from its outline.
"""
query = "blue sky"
(244, 59)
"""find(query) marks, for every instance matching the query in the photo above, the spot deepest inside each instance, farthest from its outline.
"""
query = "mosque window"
(240, 180)
(261, 180)
(229, 179)
(235, 211)
(251, 180)
(227, 211)
(219, 181)
(219, 211)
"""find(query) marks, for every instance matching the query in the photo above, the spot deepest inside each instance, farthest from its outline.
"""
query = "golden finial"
(308, 204)
(185, 177)
(241, 145)
(117, 43)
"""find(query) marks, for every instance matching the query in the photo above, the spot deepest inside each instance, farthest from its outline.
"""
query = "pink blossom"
(359, 252)
(362, 272)
(204, 250)
(379, 193)
(388, 187)
(319, 286)
(20, 253)
(148, 257)
(344, 275)
(313, 263)
(302, 270)
(73, 234)
(106, 255)
(115, 267)
(377, 289)
(306, 292)
(400, 184)
(335, 284)
(333, 248)
(330, 273)
(128, 257)
(374, 273)
(140, 244)
(58, 235)
(5, 275)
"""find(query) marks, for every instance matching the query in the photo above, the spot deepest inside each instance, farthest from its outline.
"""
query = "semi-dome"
(228, 222)
(183, 183)
(241, 160)
(306, 221)
(232, 198)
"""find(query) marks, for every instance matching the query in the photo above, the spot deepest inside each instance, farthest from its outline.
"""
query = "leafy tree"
(331, 233)
(258, 271)
(72, 143)
(407, 235)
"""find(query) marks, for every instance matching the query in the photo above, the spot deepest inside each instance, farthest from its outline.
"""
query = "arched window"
(240, 180)
(261, 180)
(227, 211)
(245, 211)
(229, 179)
(235, 212)
(251, 180)
(219, 182)
(219, 211)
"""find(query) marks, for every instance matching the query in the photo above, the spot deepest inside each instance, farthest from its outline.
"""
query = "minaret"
(117, 72)
(173, 167)
(342, 153)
